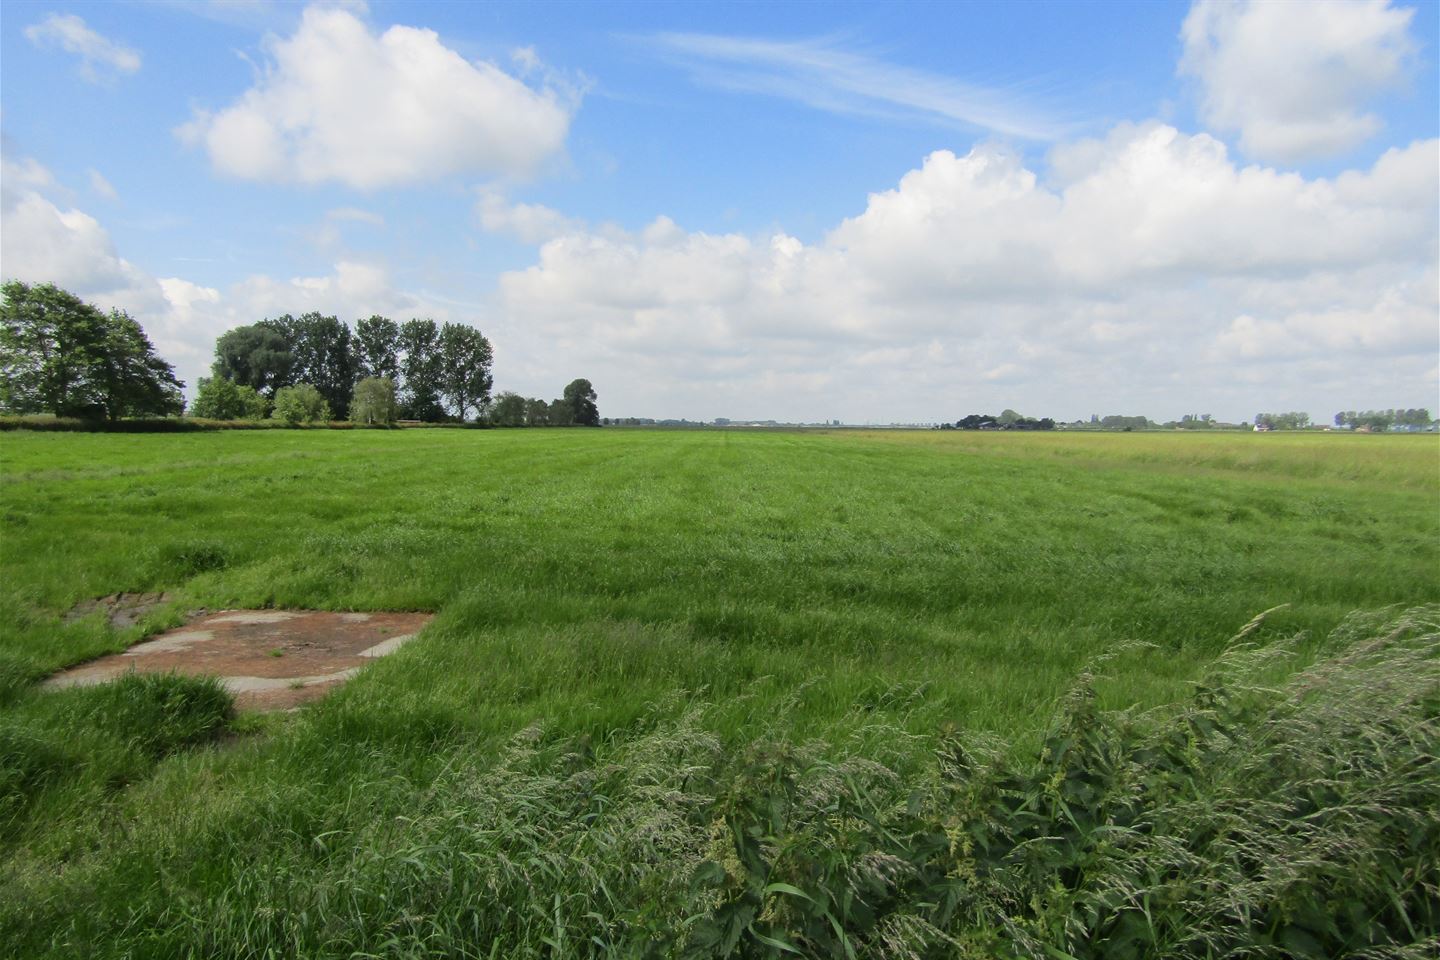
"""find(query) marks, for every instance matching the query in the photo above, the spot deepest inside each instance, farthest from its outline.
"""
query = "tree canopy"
(1282, 421)
(435, 371)
(1417, 417)
(464, 368)
(256, 356)
(61, 355)
(374, 401)
(580, 400)
(1007, 420)
(321, 355)
(508, 410)
(377, 348)
(420, 366)
(575, 408)
(222, 399)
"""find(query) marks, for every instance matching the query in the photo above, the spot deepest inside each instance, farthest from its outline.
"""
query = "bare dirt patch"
(121, 609)
(269, 659)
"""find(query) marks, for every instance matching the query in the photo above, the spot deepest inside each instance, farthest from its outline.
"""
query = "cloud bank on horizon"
(1140, 268)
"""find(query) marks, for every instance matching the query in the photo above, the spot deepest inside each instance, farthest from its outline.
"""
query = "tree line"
(314, 367)
(62, 356)
(1384, 419)
(1282, 421)
(575, 408)
(1006, 420)
(436, 372)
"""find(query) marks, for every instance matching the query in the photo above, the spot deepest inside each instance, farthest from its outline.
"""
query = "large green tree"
(465, 359)
(580, 400)
(377, 348)
(508, 410)
(256, 356)
(537, 413)
(323, 356)
(420, 364)
(61, 355)
(129, 378)
(373, 401)
(560, 414)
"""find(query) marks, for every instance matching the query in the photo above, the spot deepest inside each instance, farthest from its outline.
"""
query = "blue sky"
(799, 211)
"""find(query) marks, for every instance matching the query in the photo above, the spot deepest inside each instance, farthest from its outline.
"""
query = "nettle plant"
(1298, 821)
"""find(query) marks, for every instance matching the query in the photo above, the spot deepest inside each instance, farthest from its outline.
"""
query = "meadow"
(723, 693)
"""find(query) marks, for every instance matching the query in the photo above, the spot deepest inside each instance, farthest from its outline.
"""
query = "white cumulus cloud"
(527, 222)
(1293, 79)
(41, 242)
(1152, 270)
(45, 242)
(100, 57)
(338, 103)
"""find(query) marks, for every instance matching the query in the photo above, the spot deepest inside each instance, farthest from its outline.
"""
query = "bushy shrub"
(373, 402)
(299, 404)
(222, 399)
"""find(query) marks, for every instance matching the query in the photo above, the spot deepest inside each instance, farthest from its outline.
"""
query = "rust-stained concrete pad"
(269, 659)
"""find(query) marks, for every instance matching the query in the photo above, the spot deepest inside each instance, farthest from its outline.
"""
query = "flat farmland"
(633, 604)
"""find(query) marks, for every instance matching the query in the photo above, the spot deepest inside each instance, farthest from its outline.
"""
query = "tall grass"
(1288, 821)
(107, 737)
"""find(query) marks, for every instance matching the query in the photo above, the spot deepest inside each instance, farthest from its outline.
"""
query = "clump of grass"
(188, 558)
(560, 849)
(157, 713)
(69, 750)
(28, 760)
(17, 673)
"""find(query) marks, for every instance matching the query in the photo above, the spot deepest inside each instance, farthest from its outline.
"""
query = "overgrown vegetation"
(696, 692)
(1292, 821)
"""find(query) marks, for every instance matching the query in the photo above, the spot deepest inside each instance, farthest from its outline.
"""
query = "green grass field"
(638, 602)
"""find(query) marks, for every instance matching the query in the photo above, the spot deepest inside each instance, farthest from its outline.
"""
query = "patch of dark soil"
(121, 609)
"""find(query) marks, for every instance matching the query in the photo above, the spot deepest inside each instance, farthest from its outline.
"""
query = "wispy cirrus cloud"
(100, 57)
(823, 74)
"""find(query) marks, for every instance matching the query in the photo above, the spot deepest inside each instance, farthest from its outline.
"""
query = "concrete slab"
(385, 647)
(270, 659)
